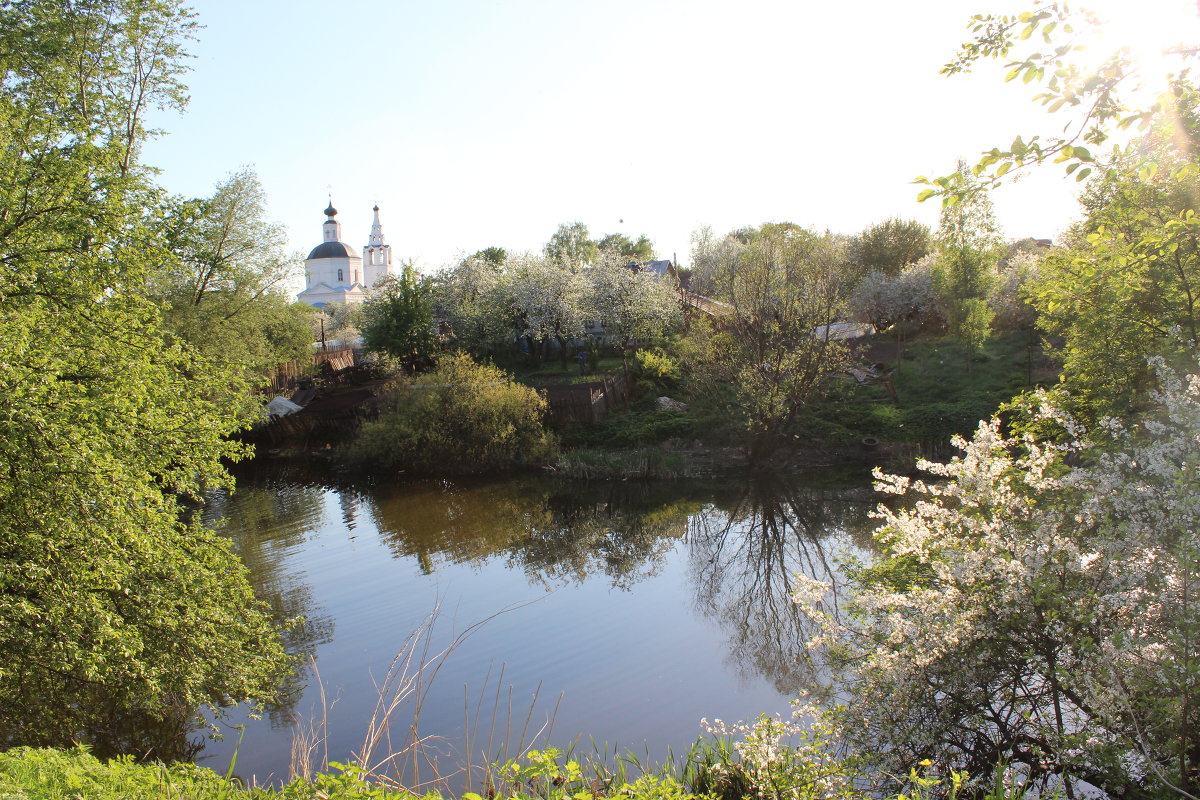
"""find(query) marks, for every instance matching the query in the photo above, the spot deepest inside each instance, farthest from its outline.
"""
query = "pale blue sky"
(488, 123)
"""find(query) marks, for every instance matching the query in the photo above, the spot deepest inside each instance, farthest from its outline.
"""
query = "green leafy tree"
(571, 247)
(224, 288)
(893, 244)
(493, 255)
(621, 245)
(397, 319)
(1123, 288)
(1127, 284)
(462, 417)
(782, 286)
(969, 245)
(112, 605)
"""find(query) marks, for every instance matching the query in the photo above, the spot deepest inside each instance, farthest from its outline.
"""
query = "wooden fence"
(287, 374)
(587, 402)
(337, 359)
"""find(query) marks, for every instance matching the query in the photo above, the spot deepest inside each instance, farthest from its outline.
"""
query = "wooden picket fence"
(588, 402)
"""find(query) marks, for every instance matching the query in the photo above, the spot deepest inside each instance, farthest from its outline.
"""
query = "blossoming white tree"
(1038, 614)
(547, 301)
(551, 300)
(883, 300)
(634, 304)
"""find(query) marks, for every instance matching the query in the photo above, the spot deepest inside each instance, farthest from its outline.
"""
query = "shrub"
(462, 417)
(657, 369)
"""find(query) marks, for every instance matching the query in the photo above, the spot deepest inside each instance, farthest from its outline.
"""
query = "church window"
(341, 276)
(356, 276)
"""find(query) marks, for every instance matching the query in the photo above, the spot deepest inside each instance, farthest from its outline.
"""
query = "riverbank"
(931, 389)
(48, 774)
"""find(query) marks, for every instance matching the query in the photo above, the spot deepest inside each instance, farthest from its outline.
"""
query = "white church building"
(334, 273)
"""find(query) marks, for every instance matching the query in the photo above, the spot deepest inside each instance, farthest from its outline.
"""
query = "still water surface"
(629, 611)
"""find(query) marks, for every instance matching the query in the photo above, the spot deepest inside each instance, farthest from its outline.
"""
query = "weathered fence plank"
(587, 402)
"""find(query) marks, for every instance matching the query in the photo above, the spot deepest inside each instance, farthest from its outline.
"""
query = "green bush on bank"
(462, 417)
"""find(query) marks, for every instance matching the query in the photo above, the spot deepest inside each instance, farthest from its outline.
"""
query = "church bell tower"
(377, 256)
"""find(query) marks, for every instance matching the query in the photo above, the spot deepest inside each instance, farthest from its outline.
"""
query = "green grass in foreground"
(710, 767)
(47, 774)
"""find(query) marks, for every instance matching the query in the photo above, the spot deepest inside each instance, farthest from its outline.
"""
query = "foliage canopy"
(889, 246)
(111, 605)
(223, 288)
(783, 286)
(397, 319)
(1127, 284)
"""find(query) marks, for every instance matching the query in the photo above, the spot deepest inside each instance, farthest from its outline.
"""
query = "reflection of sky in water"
(646, 607)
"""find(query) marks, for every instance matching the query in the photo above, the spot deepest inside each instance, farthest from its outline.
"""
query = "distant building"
(334, 273)
(662, 268)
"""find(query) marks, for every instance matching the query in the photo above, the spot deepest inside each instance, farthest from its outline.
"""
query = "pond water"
(613, 615)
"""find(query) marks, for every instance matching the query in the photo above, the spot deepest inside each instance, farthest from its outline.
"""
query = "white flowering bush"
(633, 304)
(1039, 607)
(780, 759)
(1008, 296)
(884, 300)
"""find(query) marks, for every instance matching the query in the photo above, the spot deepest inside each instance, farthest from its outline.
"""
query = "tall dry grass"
(498, 726)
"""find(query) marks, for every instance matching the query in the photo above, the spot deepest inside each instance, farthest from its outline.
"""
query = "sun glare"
(1155, 33)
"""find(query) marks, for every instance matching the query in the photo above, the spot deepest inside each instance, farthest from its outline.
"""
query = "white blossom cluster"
(883, 300)
(1038, 608)
(538, 297)
(782, 758)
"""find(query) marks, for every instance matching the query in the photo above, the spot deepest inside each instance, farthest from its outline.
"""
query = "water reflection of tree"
(745, 558)
(618, 530)
(554, 531)
(170, 736)
(265, 521)
(436, 521)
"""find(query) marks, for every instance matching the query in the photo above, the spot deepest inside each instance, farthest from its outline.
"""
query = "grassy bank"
(47, 774)
(712, 770)
(940, 390)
